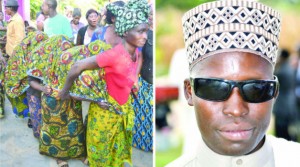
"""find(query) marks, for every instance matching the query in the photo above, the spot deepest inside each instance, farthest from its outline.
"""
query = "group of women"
(55, 76)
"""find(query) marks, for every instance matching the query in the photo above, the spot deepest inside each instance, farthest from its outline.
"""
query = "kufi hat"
(231, 25)
(12, 3)
(135, 12)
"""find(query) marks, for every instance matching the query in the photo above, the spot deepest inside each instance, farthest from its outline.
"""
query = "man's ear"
(188, 91)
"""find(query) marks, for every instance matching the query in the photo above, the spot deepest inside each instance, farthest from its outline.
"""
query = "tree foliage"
(180, 4)
(95, 4)
(35, 6)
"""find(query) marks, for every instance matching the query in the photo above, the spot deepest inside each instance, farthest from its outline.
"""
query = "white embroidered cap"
(231, 25)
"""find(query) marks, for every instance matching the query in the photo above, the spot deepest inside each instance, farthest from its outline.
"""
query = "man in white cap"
(232, 48)
(15, 28)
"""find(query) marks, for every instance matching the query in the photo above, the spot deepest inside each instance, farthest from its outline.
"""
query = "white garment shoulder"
(286, 153)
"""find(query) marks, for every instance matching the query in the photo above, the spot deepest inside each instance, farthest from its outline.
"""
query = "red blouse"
(120, 72)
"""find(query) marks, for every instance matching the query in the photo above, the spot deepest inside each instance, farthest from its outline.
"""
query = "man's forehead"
(230, 63)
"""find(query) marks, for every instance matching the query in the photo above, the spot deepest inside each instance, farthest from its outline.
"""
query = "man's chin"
(235, 149)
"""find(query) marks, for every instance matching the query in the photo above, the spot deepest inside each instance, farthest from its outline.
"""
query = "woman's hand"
(135, 90)
(63, 95)
(103, 105)
(47, 90)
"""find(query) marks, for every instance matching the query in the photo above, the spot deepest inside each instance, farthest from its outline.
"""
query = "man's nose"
(235, 105)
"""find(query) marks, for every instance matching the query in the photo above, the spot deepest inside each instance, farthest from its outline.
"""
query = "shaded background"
(169, 38)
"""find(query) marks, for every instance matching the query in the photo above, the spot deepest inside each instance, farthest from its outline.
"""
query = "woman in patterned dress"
(61, 132)
(109, 134)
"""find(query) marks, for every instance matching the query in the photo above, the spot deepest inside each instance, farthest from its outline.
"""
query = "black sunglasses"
(252, 91)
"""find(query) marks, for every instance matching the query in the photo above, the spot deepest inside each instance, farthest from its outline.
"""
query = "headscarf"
(134, 13)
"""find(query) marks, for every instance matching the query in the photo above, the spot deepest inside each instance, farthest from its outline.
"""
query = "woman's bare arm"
(85, 64)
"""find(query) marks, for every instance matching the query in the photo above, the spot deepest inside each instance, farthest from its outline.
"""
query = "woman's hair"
(76, 12)
(90, 11)
(109, 15)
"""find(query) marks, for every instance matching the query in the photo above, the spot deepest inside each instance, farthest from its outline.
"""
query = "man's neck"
(52, 13)
(12, 14)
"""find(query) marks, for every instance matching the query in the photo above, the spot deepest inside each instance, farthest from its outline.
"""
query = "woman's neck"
(92, 27)
(130, 49)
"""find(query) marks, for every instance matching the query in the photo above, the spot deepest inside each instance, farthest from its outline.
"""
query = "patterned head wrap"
(231, 25)
(134, 13)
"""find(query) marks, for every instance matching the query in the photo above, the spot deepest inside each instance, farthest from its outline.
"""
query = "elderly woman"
(85, 33)
(109, 135)
(75, 23)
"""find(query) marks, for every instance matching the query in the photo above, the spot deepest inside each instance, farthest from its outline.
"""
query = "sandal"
(29, 124)
(62, 163)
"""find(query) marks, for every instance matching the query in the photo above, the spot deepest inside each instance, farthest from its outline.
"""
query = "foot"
(62, 163)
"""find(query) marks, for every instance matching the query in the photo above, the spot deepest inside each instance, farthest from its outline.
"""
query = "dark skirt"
(34, 103)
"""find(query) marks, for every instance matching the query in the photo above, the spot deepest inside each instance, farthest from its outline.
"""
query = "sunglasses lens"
(211, 89)
(259, 91)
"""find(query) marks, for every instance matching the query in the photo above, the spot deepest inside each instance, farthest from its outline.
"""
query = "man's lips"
(237, 134)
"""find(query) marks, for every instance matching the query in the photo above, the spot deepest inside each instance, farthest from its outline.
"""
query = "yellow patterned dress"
(16, 72)
(62, 131)
(109, 135)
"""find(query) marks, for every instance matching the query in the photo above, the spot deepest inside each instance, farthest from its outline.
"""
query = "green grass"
(163, 158)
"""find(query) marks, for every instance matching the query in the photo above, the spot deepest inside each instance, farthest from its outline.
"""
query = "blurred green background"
(83, 5)
(169, 38)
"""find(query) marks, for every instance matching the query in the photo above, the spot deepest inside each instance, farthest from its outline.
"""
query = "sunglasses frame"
(239, 85)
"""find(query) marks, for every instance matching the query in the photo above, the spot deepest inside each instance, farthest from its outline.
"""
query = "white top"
(87, 38)
(274, 153)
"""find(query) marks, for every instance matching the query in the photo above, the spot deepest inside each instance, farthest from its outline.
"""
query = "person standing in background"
(297, 91)
(143, 104)
(15, 27)
(285, 107)
(85, 33)
(75, 22)
(40, 21)
(56, 24)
